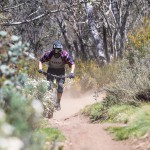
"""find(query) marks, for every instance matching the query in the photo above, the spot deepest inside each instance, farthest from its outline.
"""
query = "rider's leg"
(50, 79)
(60, 82)
(59, 92)
(59, 95)
(50, 85)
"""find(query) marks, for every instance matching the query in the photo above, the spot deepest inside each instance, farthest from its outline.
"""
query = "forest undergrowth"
(128, 95)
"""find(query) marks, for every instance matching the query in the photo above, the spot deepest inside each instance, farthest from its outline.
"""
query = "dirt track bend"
(80, 134)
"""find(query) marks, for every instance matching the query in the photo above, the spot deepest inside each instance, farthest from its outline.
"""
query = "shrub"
(94, 112)
(131, 81)
(113, 113)
(139, 39)
(20, 116)
(38, 90)
(138, 126)
(90, 76)
(121, 113)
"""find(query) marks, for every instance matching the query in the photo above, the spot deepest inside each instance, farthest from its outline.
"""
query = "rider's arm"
(46, 57)
(40, 65)
(72, 68)
(68, 60)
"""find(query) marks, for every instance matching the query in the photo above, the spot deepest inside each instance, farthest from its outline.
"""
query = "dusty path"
(80, 134)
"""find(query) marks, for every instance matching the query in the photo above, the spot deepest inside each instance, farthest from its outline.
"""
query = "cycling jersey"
(59, 62)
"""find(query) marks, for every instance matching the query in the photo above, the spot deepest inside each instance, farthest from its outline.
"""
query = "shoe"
(58, 108)
(57, 105)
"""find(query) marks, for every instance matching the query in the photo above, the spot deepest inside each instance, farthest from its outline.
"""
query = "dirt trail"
(80, 134)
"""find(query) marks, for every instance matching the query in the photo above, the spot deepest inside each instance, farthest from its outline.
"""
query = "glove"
(71, 75)
(40, 71)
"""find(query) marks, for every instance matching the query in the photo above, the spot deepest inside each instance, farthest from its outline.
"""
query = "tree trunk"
(66, 38)
(123, 30)
(99, 52)
(105, 44)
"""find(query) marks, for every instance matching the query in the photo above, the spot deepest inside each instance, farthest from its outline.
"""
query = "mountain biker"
(57, 58)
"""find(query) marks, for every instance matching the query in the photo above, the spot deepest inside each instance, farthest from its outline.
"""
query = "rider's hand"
(40, 71)
(71, 75)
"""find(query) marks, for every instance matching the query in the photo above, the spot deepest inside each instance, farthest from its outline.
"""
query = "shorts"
(57, 72)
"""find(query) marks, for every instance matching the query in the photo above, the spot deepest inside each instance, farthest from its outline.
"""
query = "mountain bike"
(48, 110)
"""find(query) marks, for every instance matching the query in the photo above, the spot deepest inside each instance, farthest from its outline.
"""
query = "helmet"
(57, 45)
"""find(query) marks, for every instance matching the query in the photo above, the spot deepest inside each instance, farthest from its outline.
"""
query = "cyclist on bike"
(57, 58)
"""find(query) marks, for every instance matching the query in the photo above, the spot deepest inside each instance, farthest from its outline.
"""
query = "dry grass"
(132, 82)
(90, 76)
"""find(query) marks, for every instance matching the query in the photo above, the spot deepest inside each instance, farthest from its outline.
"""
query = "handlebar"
(55, 76)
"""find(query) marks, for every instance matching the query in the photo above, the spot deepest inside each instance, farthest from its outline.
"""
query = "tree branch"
(29, 20)
(7, 8)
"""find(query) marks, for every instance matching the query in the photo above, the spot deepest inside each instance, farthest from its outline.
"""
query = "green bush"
(20, 116)
(94, 112)
(139, 39)
(138, 126)
(114, 113)
(121, 113)
(38, 89)
(51, 134)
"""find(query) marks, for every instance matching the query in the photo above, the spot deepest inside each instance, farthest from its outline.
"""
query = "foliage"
(51, 134)
(12, 50)
(136, 117)
(114, 113)
(7, 138)
(94, 111)
(138, 126)
(90, 76)
(14, 101)
(22, 99)
(38, 89)
(129, 87)
(139, 38)
(121, 113)
(131, 82)
(21, 112)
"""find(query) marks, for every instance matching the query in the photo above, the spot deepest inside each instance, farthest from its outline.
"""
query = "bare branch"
(34, 12)
(29, 20)
(7, 8)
